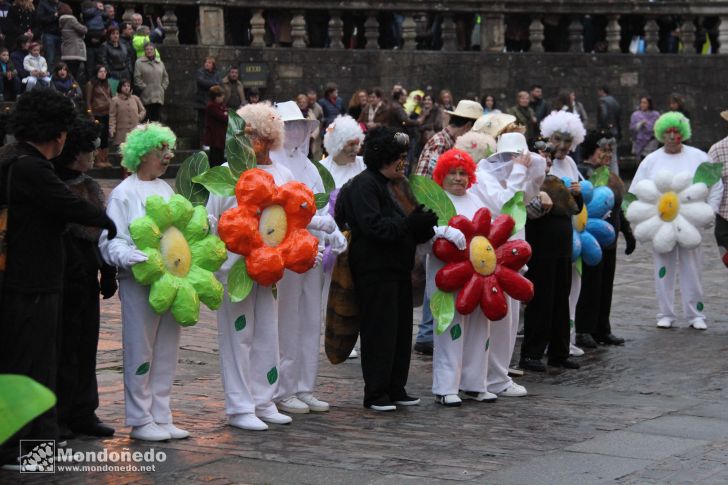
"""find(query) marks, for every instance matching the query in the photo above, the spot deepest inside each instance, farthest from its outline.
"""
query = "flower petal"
(493, 300)
(646, 191)
(575, 245)
(465, 225)
(645, 231)
(299, 250)
(482, 221)
(663, 181)
(149, 271)
(163, 292)
(209, 253)
(255, 187)
(695, 193)
(501, 230)
(665, 238)
(239, 231)
(446, 251)
(453, 276)
(681, 181)
(698, 214)
(602, 231)
(298, 202)
(197, 227)
(265, 265)
(687, 235)
(639, 211)
(591, 252)
(208, 288)
(469, 296)
(514, 284)
(186, 305)
(513, 254)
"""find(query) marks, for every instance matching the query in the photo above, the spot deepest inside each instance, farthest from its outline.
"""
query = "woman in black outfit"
(381, 256)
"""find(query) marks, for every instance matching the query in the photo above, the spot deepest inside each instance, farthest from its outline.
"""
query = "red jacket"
(216, 119)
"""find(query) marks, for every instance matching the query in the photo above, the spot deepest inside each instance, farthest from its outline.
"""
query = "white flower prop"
(670, 210)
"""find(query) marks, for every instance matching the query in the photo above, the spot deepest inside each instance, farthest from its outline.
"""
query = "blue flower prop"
(591, 231)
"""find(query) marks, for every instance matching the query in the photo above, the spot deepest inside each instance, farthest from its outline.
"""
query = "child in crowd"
(9, 82)
(37, 68)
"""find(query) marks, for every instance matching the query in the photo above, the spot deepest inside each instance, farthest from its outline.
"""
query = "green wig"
(143, 139)
(672, 119)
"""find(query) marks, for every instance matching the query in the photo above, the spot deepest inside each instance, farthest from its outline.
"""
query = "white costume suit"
(147, 337)
(567, 168)
(493, 193)
(690, 261)
(249, 347)
(460, 363)
(343, 173)
(299, 295)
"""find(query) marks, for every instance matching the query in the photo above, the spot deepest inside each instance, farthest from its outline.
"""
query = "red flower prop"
(487, 268)
(268, 227)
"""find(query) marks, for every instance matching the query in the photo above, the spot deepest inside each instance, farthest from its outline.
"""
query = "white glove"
(212, 222)
(135, 257)
(338, 242)
(322, 223)
(453, 235)
(319, 258)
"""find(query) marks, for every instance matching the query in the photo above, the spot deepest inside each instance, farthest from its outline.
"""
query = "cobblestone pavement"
(652, 411)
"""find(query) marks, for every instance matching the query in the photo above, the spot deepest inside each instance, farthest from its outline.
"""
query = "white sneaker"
(315, 405)
(664, 322)
(175, 432)
(293, 405)
(150, 432)
(354, 354)
(449, 400)
(478, 396)
(575, 351)
(514, 390)
(698, 324)
(275, 418)
(247, 421)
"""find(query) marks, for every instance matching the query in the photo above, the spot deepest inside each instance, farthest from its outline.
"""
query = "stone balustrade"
(506, 25)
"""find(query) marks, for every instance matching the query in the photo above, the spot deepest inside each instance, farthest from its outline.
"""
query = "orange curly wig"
(451, 159)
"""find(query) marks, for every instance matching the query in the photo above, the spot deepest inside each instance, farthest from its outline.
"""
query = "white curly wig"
(339, 132)
(477, 145)
(564, 122)
(262, 120)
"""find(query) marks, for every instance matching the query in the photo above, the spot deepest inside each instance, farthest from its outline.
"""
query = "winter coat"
(205, 80)
(94, 20)
(116, 59)
(18, 22)
(150, 77)
(98, 98)
(32, 63)
(228, 87)
(125, 114)
(216, 120)
(72, 32)
(17, 57)
(46, 16)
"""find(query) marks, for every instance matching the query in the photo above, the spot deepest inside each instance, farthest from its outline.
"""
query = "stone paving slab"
(685, 427)
(628, 444)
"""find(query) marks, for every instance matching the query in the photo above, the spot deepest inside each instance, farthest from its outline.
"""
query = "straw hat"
(467, 109)
(493, 123)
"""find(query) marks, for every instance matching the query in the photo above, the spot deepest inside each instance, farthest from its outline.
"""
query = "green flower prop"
(182, 258)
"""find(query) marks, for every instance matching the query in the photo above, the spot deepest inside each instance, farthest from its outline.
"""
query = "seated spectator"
(22, 44)
(63, 82)
(216, 120)
(9, 80)
(37, 68)
(126, 112)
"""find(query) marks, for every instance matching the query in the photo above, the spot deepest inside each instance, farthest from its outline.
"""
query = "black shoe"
(566, 364)
(65, 433)
(92, 428)
(610, 339)
(424, 348)
(585, 340)
(407, 401)
(382, 404)
(534, 365)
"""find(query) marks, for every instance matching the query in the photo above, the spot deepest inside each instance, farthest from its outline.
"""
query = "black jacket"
(205, 80)
(117, 60)
(46, 16)
(39, 207)
(383, 238)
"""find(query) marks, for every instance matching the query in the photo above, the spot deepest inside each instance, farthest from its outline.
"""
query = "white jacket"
(31, 63)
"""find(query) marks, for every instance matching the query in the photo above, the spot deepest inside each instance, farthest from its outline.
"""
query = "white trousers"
(690, 264)
(502, 342)
(299, 330)
(461, 363)
(247, 334)
(573, 300)
(150, 345)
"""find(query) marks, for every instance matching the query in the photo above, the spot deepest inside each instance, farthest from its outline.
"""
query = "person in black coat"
(116, 55)
(381, 257)
(46, 17)
(40, 206)
(207, 77)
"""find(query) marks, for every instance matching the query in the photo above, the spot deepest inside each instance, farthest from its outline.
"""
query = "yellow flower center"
(273, 225)
(176, 252)
(482, 256)
(580, 219)
(668, 206)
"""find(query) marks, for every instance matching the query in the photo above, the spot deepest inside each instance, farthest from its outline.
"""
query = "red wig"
(452, 159)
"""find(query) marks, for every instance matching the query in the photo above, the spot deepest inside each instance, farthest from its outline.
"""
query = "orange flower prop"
(268, 227)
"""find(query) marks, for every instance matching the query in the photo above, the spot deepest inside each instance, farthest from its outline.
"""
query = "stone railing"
(532, 22)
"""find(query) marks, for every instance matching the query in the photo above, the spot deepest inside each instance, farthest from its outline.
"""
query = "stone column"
(212, 25)
(298, 29)
(687, 35)
(613, 33)
(576, 35)
(257, 29)
(492, 32)
(169, 19)
(409, 32)
(448, 33)
(652, 32)
(535, 35)
(723, 35)
(371, 31)
(335, 30)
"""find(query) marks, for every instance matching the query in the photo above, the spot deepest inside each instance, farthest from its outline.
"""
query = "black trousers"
(78, 395)
(29, 325)
(216, 156)
(385, 310)
(154, 111)
(595, 299)
(546, 319)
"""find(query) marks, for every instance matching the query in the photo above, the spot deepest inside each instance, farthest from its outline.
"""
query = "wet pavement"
(652, 411)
